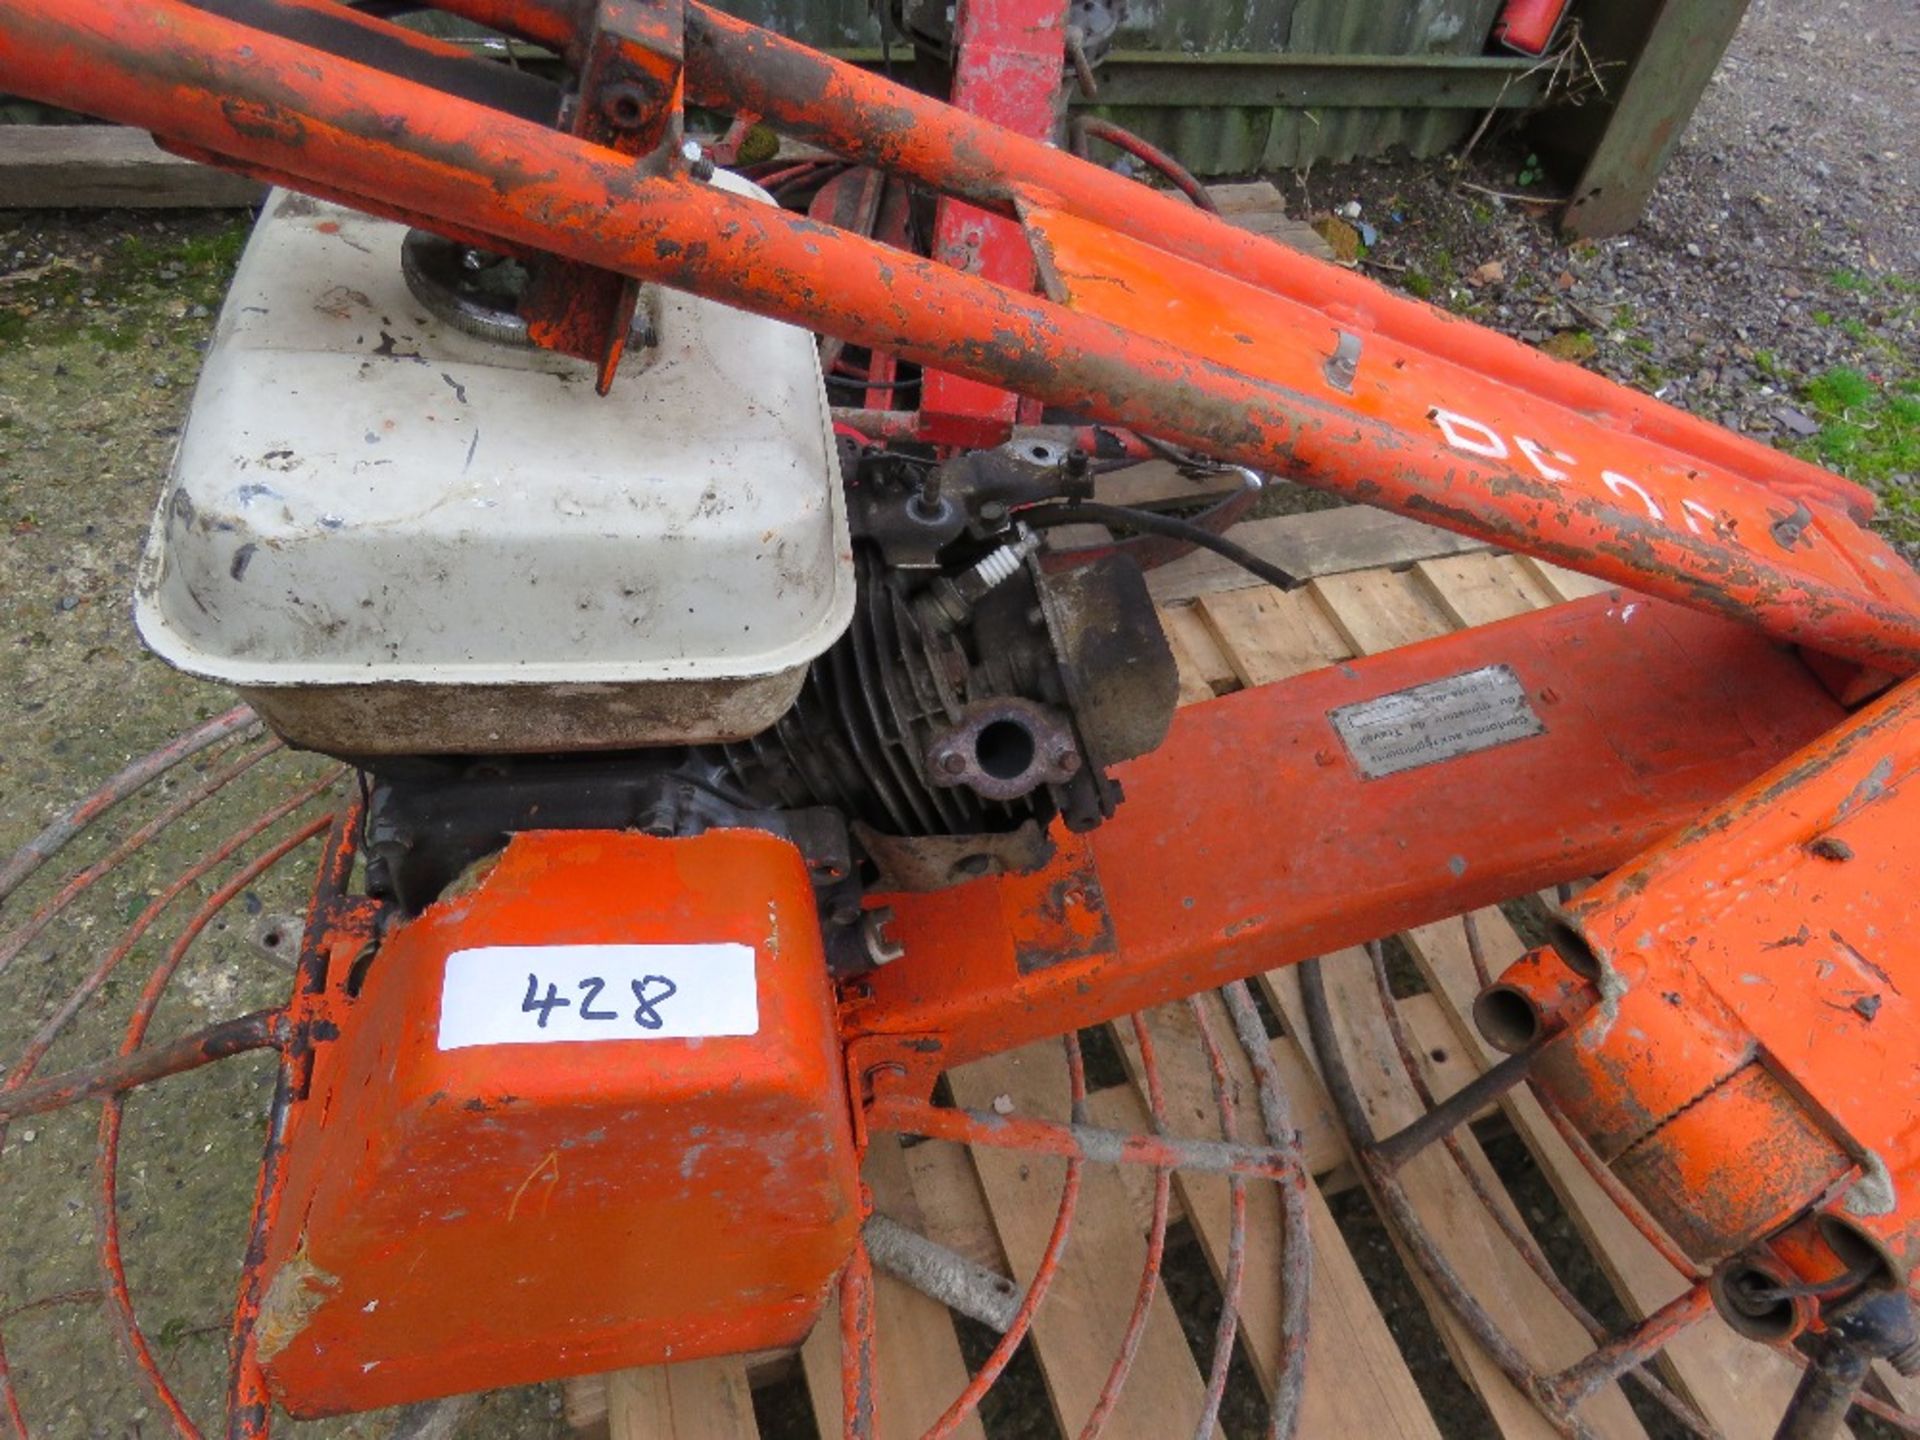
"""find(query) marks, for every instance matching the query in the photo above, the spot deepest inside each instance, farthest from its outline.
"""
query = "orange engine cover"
(588, 1112)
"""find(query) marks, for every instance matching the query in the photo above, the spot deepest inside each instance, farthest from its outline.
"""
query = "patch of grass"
(1849, 280)
(1839, 390)
(1767, 363)
(1870, 432)
(214, 253)
(138, 281)
(1419, 283)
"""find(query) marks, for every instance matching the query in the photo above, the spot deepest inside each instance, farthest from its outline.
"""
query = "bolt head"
(624, 106)
(953, 762)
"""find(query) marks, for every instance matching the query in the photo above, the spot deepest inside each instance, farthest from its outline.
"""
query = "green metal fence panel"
(1231, 88)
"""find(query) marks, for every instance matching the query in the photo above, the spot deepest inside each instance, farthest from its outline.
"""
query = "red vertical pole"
(1009, 55)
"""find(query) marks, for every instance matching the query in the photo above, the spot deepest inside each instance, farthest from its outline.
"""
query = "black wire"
(1125, 517)
(854, 382)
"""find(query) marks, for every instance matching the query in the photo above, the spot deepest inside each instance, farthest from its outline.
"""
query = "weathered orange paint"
(465, 1219)
(1743, 1060)
(1753, 1055)
(842, 108)
(319, 119)
(1547, 476)
(1250, 840)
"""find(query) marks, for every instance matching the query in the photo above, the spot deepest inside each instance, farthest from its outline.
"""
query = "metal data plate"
(1441, 720)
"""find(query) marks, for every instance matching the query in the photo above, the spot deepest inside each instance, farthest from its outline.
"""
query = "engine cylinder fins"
(915, 724)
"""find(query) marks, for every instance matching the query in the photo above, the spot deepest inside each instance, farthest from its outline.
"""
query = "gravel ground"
(1772, 287)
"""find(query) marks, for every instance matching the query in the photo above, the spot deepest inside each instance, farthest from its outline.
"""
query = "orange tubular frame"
(1255, 837)
(1511, 446)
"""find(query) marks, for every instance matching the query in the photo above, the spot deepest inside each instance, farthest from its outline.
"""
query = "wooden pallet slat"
(1377, 610)
(952, 1204)
(700, 1400)
(1480, 589)
(1266, 635)
(917, 1366)
(1560, 583)
(1318, 542)
(1204, 671)
(1466, 1235)
(1078, 1330)
(1357, 1381)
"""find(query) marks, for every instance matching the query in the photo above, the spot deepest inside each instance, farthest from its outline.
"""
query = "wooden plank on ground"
(1079, 1329)
(1266, 634)
(1480, 589)
(700, 1400)
(918, 1369)
(1563, 584)
(1464, 1233)
(1258, 205)
(1357, 1380)
(54, 167)
(1318, 542)
(953, 1207)
(1377, 610)
(1204, 671)
(1159, 485)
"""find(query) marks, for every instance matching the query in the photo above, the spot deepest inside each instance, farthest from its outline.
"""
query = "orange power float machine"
(662, 535)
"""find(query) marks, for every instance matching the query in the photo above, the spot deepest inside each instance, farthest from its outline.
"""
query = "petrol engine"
(648, 692)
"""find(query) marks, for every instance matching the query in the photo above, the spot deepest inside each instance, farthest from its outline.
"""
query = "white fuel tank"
(394, 537)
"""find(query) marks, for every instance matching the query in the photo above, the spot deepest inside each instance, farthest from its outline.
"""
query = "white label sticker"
(1437, 721)
(552, 994)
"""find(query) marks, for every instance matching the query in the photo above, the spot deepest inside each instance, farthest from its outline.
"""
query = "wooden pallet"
(997, 1207)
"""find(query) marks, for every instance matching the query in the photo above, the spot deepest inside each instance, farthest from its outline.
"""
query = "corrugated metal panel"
(1215, 142)
(824, 24)
(1226, 138)
(1234, 140)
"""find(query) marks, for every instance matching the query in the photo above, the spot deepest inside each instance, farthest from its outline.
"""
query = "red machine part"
(1008, 56)
(1528, 25)
(676, 1189)
(1740, 1048)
